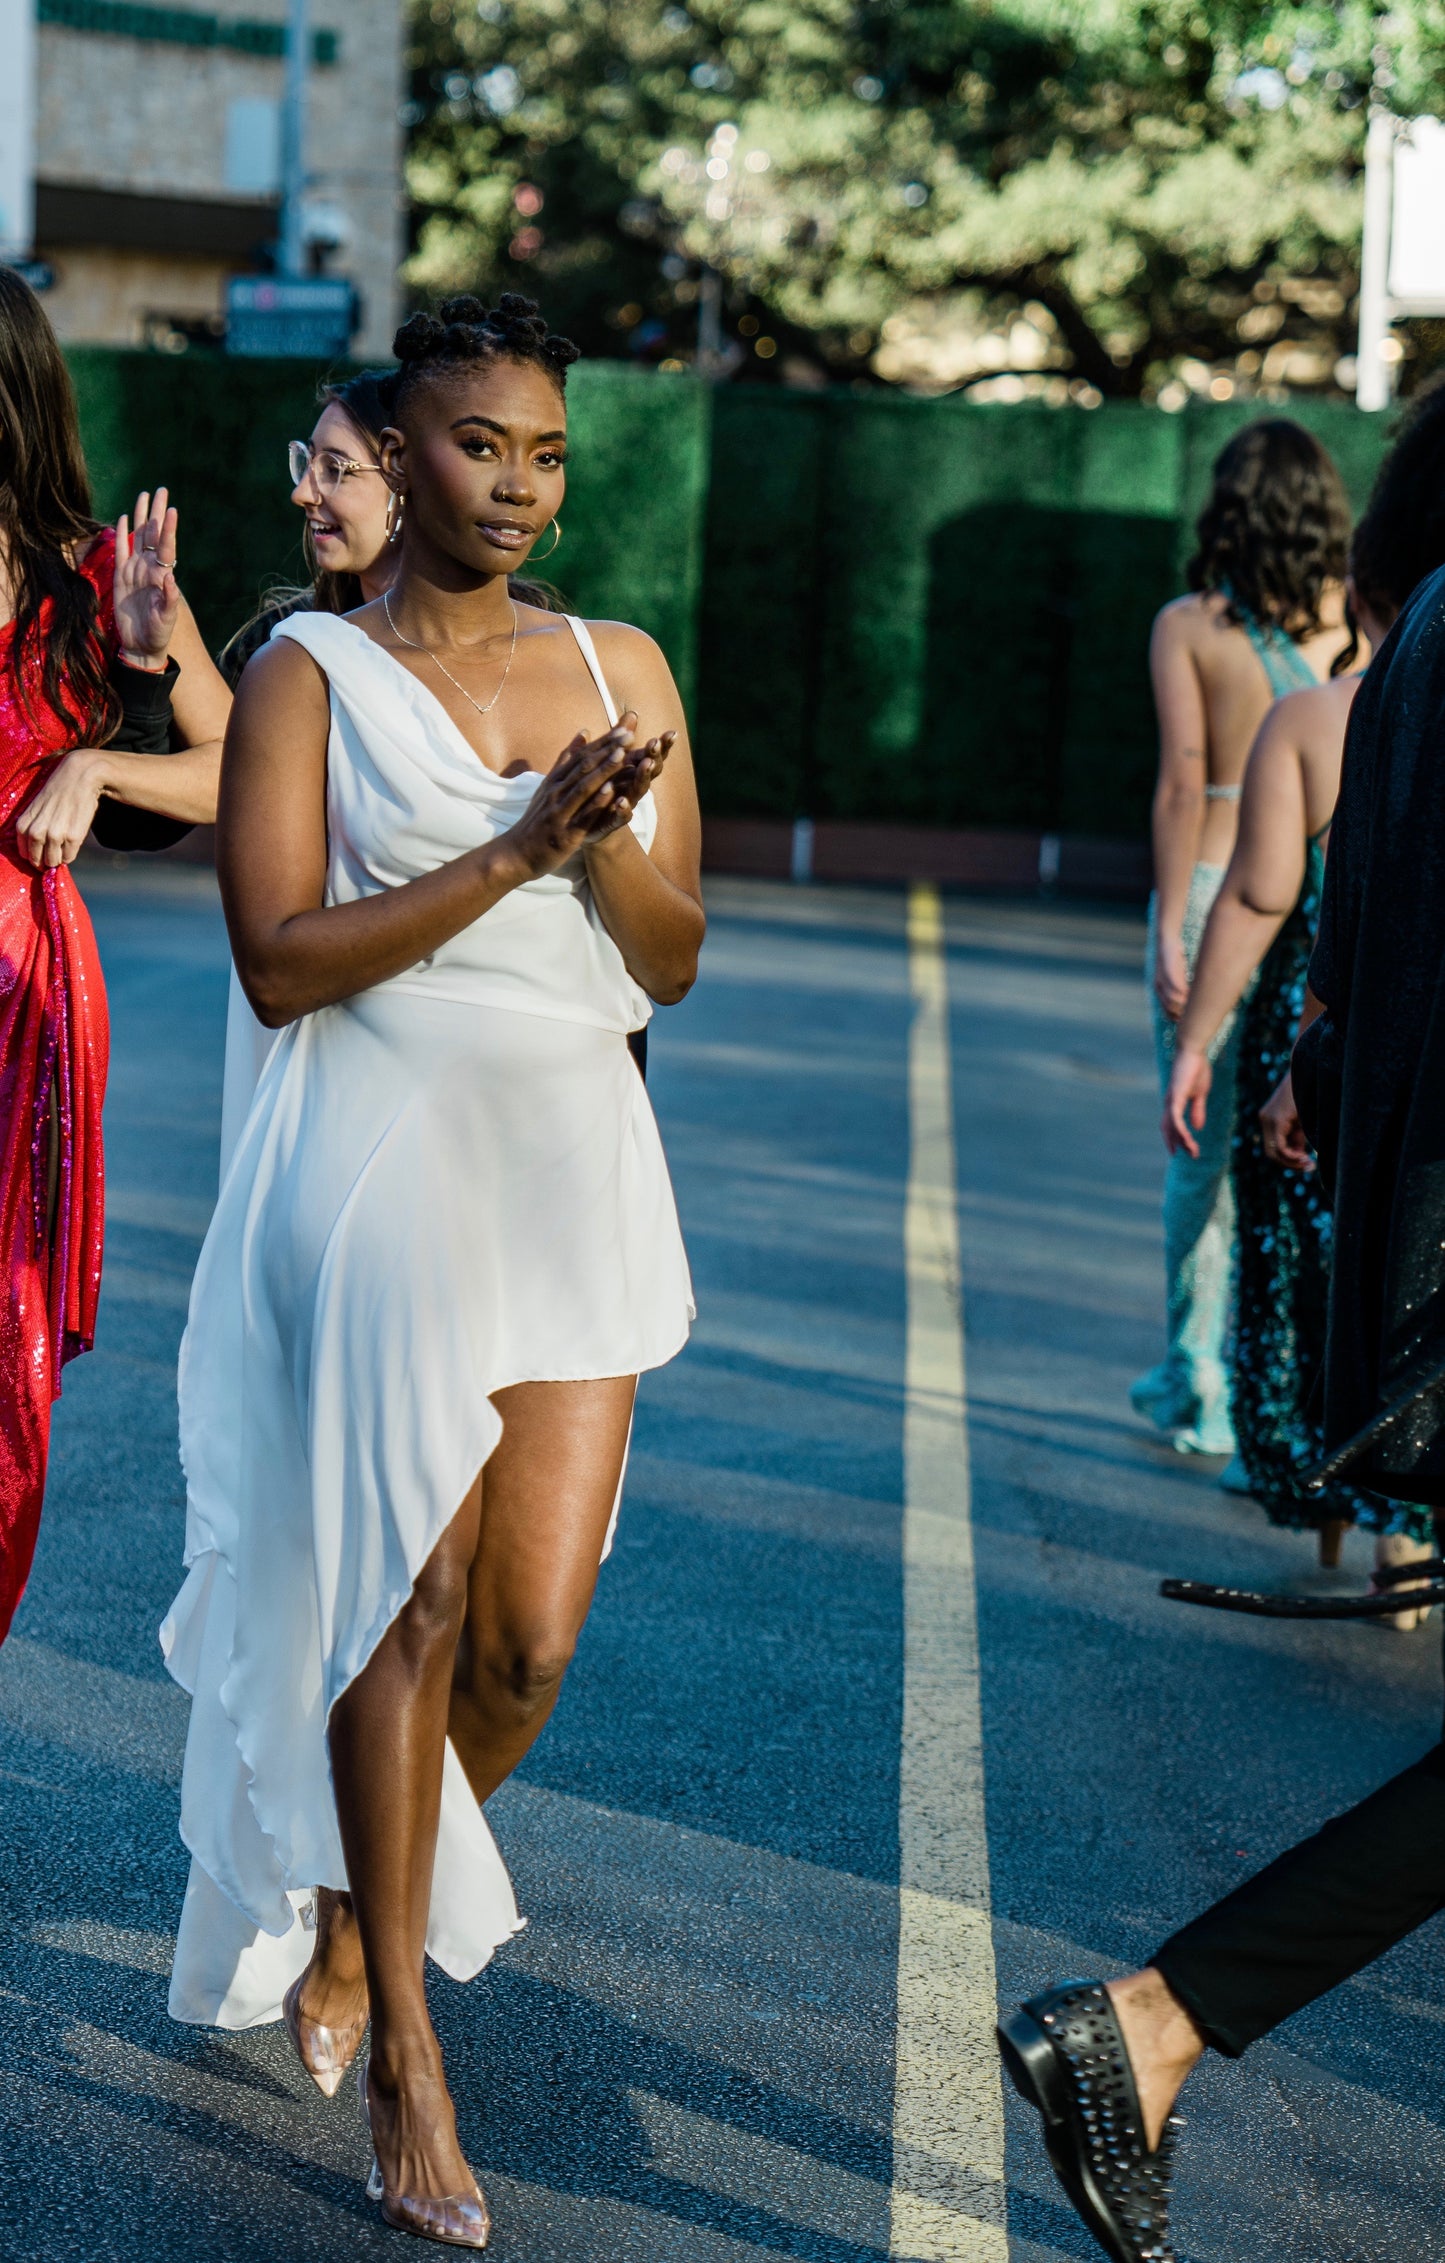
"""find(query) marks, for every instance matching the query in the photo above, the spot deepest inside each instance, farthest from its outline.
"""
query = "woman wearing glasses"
(336, 480)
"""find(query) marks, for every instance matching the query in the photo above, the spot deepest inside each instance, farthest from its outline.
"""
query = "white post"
(1372, 371)
(293, 138)
(17, 128)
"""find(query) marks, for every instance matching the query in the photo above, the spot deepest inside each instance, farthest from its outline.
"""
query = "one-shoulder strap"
(588, 651)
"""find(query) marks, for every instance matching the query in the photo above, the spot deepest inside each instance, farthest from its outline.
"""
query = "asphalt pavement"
(689, 2054)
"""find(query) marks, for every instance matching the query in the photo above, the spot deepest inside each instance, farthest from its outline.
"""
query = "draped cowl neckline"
(406, 794)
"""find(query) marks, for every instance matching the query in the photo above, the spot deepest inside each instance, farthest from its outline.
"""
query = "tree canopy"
(1154, 186)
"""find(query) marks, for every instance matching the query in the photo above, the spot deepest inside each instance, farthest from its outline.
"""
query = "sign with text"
(1417, 234)
(290, 317)
(17, 128)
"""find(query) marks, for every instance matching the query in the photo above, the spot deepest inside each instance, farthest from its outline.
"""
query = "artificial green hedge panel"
(632, 524)
(934, 612)
(876, 607)
(216, 433)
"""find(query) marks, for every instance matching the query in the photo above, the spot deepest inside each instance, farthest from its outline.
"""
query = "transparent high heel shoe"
(325, 2052)
(460, 2220)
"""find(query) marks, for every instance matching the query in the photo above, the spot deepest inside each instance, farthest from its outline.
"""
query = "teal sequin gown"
(1190, 1392)
(1284, 1229)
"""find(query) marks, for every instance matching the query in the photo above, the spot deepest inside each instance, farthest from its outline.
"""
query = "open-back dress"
(448, 1184)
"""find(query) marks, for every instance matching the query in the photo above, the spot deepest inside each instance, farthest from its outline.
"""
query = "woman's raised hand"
(147, 600)
(1186, 1101)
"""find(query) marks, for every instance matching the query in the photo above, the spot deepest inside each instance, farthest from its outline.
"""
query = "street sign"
(303, 320)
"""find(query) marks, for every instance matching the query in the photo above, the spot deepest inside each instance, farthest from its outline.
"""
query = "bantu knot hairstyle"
(464, 331)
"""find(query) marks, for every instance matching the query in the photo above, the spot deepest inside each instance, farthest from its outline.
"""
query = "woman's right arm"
(295, 953)
(1178, 798)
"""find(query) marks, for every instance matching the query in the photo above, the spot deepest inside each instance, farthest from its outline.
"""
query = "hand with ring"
(146, 597)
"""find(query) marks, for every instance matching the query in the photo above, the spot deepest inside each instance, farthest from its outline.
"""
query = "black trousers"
(1320, 1913)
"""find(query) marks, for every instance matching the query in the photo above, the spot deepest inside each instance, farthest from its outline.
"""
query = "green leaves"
(1095, 158)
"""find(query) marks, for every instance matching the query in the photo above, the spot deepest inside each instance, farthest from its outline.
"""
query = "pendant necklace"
(451, 679)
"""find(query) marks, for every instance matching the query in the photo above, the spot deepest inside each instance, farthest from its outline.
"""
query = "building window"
(252, 157)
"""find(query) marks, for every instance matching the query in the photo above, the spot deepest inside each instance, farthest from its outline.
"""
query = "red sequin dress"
(54, 1050)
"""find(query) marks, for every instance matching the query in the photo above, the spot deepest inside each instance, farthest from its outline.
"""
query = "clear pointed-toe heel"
(325, 2052)
(460, 2220)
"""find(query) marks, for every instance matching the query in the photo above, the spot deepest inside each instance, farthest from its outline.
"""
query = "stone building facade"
(157, 160)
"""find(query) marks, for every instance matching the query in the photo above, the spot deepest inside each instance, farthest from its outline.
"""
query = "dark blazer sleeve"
(144, 728)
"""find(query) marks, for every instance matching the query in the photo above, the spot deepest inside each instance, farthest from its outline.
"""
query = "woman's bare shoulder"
(1305, 727)
(622, 640)
(1314, 718)
(635, 666)
(283, 669)
(1192, 622)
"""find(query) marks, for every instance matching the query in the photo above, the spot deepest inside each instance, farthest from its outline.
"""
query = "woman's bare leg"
(479, 1652)
(547, 1495)
(333, 1986)
(388, 1740)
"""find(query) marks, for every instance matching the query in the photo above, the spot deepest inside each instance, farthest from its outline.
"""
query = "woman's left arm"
(52, 829)
(651, 902)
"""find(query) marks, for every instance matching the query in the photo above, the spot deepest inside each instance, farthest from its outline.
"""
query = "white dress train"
(448, 1184)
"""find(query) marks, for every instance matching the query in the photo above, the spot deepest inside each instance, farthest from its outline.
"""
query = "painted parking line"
(948, 2161)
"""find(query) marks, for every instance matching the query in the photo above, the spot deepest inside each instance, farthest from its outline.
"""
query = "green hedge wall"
(877, 607)
(216, 433)
(939, 613)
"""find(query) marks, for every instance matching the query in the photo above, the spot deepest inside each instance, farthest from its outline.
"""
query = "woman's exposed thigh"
(548, 1492)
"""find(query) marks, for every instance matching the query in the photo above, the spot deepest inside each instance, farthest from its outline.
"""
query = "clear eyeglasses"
(324, 465)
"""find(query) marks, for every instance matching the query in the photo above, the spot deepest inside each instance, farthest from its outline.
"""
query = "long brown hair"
(1273, 534)
(46, 520)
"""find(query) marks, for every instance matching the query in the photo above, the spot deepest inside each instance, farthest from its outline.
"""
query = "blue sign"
(38, 273)
(298, 319)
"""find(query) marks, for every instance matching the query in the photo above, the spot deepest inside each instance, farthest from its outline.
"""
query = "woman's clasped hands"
(590, 794)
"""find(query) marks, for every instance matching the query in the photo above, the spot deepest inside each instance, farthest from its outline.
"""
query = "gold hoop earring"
(394, 511)
(535, 561)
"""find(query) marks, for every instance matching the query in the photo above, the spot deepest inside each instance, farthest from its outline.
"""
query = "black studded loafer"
(1066, 2057)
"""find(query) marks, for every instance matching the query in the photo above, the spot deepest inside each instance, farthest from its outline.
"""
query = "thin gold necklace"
(451, 679)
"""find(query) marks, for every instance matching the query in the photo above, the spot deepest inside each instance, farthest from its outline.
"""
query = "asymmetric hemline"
(445, 1186)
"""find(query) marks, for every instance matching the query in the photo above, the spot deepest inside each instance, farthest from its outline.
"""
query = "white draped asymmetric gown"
(448, 1184)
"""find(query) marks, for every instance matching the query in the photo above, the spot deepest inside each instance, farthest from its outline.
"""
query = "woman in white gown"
(444, 1250)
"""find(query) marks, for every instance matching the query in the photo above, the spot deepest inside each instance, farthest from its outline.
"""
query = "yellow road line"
(948, 2189)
